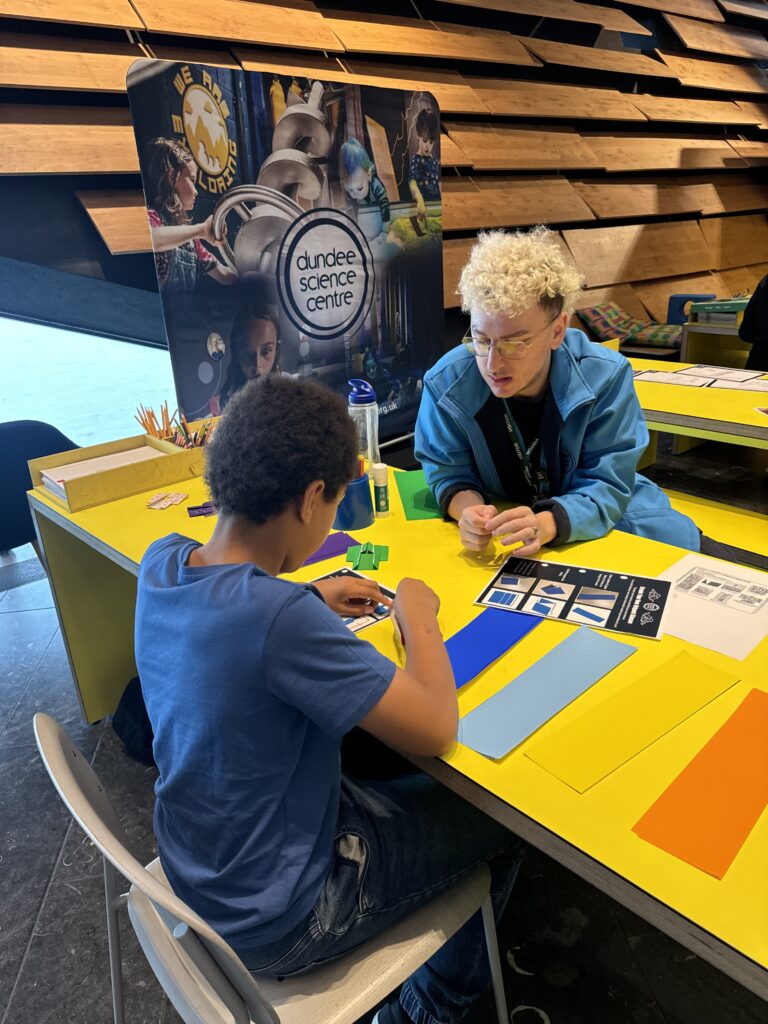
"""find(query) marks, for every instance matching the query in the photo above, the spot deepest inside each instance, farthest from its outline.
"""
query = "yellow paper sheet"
(584, 752)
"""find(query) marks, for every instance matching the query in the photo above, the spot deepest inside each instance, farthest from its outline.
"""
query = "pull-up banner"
(297, 228)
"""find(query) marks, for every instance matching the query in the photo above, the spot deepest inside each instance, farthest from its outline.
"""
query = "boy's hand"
(415, 604)
(347, 595)
(474, 528)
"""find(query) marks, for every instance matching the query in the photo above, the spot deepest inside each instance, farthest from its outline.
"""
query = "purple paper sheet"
(334, 544)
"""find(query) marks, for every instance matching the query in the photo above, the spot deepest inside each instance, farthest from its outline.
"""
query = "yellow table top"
(720, 405)
(597, 822)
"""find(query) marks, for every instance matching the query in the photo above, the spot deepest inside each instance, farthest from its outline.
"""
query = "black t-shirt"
(490, 418)
(527, 415)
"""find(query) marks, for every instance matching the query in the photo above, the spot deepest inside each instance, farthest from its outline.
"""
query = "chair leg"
(492, 945)
(113, 901)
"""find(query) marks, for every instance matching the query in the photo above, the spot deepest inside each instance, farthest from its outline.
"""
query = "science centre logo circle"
(325, 274)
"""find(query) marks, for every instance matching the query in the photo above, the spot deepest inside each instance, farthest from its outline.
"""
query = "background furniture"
(20, 441)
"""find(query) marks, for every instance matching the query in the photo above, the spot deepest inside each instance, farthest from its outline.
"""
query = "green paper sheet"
(418, 501)
(601, 740)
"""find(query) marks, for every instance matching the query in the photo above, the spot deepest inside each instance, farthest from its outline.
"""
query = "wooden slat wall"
(535, 129)
(705, 9)
(368, 33)
(637, 252)
(563, 10)
(725, 39)
(104, 13)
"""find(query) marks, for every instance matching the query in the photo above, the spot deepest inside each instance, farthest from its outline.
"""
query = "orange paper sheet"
(705, 816)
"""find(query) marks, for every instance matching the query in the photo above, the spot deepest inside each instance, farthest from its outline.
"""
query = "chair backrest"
(80, 789)
(677, 306)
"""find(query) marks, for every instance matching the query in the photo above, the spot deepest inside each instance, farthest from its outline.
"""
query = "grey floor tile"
(51, 689)
(687, 988)
(24, 639)
(566, 955)
(64, 974)
(27, 598)
(34, 820)
(20, 554)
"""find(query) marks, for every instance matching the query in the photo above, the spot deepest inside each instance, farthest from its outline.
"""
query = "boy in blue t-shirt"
(251, 681)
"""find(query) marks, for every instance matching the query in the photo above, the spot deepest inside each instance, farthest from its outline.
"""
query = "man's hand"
(347, 595)
(474, 526)
(525, 527)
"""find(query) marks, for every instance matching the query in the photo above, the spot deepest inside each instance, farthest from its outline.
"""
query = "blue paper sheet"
(485, 639)
(511, 715)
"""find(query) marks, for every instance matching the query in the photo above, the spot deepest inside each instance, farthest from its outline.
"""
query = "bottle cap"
(379, 473)
(362, 393)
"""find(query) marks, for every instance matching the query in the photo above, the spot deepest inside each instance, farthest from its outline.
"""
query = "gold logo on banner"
(203, 123)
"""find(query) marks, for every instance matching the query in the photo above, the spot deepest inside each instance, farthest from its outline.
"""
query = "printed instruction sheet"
(358, 622)
(601, 598)
(703, 376)
(718, 605)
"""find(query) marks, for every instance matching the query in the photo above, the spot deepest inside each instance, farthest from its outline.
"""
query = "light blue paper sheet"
(511, 715)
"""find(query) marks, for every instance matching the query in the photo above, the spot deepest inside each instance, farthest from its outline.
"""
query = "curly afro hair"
(276, 436)
(508, 272)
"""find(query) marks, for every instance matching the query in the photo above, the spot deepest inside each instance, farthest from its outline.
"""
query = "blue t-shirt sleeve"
(314, 663)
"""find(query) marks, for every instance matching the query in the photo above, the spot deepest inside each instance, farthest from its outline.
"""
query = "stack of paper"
(56, 477)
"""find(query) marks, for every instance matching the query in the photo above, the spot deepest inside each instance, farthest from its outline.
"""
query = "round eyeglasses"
(507, 348)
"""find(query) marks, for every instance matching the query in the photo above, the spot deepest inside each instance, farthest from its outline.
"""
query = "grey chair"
(201, 974)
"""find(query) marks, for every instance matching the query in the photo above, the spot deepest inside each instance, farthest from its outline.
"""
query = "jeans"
(399, 843)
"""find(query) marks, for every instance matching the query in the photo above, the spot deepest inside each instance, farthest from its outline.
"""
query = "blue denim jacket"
(592, 435)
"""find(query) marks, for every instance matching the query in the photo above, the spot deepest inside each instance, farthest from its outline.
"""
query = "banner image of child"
(180, 256)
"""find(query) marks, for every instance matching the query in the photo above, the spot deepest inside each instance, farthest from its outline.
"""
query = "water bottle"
(364, 410)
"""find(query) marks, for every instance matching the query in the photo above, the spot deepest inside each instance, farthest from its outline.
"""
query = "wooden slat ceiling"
(494, 148)
(80, 65)
(66, 140)
(651, 199)
(506, 97)
(570, 55)
(707, 10)
(735, 241)
(564, 10)
(636, 252)
(469, 204)
(120, 217)
(757, 110)
(104, 13)
(367, 33)
(661, 153)
(725, 39)
(505, 164)
(711, 74)
(664, 108)
(236, 21)
(453, 92)
(451, 154)
(746, 8)
(754, 152)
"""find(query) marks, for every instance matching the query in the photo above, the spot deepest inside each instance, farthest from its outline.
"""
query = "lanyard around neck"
(536, 479)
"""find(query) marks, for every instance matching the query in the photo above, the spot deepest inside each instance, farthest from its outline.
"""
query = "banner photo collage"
(297, 228)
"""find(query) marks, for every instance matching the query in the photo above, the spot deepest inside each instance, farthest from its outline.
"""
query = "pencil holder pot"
(355, 510)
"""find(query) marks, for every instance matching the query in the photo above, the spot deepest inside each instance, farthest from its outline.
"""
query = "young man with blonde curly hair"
(530, 411)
